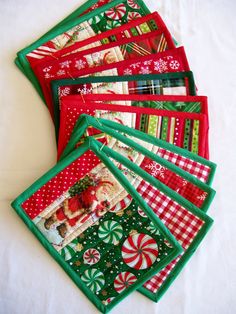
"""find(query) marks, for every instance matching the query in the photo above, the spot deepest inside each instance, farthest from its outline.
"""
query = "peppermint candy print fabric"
(120, 241)
(96, 249)
(121, 13)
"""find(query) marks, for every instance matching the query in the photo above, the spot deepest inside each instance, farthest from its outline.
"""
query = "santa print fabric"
(97, 245)
(184, 129)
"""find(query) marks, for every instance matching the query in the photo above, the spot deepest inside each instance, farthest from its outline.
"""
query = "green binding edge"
(165, 145)
(86, 121)
(197, 240)
(208, 221)
(71, 16)
(150, 139)
(21, 55)
(98, 79)
(90, 144)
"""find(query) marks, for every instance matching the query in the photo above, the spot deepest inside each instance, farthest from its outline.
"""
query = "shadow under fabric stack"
(125, 206)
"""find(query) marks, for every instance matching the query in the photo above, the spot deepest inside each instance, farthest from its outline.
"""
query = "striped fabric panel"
(165, 128)
(191, 135)
(169, 129)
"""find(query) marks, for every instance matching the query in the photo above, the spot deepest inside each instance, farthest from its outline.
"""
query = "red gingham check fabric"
(182, 224)
(188, 190)
(197, 169)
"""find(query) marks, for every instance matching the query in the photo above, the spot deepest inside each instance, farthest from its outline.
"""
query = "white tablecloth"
(31, 282)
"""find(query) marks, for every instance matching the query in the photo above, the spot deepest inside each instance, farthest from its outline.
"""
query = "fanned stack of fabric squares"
(125, 206)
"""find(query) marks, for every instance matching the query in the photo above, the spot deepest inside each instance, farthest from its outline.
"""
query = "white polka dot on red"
(50, 191)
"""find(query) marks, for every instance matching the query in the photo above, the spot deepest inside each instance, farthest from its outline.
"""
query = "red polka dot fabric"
(59, 184)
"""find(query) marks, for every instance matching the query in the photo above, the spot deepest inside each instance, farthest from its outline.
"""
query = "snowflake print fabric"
(85, 62)
(128, 67)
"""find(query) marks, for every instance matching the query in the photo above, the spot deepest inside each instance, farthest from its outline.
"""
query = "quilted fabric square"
(72, 210)
(186, 222)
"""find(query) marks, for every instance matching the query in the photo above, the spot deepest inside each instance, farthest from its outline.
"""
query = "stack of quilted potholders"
(125, 206)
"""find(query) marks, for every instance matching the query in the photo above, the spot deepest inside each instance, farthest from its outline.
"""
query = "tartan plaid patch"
(182, 224)
(195, 168)
(154, 86)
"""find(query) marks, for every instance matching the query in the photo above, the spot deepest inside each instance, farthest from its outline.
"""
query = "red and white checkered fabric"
(177, 183)
(196, 169)
(182, 224)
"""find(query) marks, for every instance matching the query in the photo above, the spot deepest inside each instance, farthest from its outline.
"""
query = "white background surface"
(31, 282)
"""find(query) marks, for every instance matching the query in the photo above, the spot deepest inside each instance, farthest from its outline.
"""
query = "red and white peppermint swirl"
(133, 4)
(91, 256)
(117, 12)
(123, 281)
(133, 16)
(141, 213)
(139, 251)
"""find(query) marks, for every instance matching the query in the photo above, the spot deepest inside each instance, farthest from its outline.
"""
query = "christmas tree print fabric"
(107, 252)
(145, 64)
(187, 130)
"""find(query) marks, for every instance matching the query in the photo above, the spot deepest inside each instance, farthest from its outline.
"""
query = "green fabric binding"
(91, 145)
